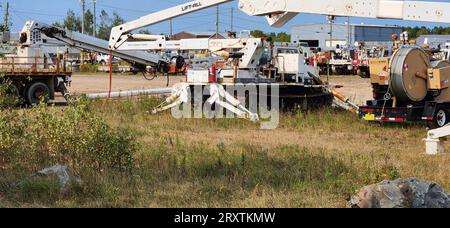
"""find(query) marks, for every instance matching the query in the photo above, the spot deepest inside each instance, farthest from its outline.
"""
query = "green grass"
(314, 159)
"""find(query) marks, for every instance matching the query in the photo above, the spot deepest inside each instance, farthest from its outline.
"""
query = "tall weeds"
(75, 136)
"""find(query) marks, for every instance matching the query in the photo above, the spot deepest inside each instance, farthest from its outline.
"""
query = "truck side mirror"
(23, 38)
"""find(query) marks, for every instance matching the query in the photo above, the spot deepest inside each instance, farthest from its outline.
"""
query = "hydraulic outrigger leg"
(218, 95)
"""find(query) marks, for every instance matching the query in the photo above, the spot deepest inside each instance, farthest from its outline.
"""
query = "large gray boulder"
(65, 175)
(401, 193)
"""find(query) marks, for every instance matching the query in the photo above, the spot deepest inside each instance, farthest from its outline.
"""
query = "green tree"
(422, 31)
(88, 22)
(3, 28)
(280, 37)
(72, 22)
(104, 28)
(258, 34)
(117, 20)
(272, 35)
(283, 37)
(417, 31)
(145, 31)
(107, 23)
(6, 26)
(57, 24)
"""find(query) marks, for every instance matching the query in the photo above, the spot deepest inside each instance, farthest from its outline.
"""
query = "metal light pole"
(171, 28)
(95, 19)
(330, 19)
(83, 6)
(349, 32)
(232, 19)
(217, 22)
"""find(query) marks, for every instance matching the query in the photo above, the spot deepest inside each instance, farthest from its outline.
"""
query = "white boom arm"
(251, 47)
(434, 141)
(120, 34)
(279, 12)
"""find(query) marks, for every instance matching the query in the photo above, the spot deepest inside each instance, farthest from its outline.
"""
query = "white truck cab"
(293, 62)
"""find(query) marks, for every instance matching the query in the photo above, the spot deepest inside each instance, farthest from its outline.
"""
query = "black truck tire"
(36, 93)
(440, 118)
(363, 73)
(13, 90)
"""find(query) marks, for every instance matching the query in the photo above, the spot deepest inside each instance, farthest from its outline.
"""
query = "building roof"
(9, 36)
(202, 34)
(209, 34)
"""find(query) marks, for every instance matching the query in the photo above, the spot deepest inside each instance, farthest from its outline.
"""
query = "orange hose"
(341, 97)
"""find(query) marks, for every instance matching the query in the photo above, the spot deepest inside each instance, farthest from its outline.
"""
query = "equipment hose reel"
(406, 83)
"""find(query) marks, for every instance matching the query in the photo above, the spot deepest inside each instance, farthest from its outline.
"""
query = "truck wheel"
(440, 118)
(359, 72)
(13, 90)
(37, 92)
(367, 73)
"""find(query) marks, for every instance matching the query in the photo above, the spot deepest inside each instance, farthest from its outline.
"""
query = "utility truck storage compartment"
(197, 76)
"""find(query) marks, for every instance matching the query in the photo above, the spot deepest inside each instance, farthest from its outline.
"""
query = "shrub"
(91, 68)
(74, 136)
(8, 98)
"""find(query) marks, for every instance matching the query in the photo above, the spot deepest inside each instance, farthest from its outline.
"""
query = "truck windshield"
(287, 51)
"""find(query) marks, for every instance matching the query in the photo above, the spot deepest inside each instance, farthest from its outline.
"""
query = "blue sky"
(55, 10)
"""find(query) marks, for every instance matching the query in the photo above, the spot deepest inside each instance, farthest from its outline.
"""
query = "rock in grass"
(401, 193)
(65, 176)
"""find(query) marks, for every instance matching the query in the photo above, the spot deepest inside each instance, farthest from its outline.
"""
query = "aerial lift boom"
(120, 34)
(279, 12)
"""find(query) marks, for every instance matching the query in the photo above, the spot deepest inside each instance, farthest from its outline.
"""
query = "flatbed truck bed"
(35, 79)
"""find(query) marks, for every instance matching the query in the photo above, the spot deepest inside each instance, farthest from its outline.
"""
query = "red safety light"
(311, 61)
(212, 74)
(356, 55)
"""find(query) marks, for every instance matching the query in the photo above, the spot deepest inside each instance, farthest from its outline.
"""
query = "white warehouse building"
(318, 35)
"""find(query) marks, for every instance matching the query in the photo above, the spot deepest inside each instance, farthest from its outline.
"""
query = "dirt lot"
(82, 84)
(358, 89)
